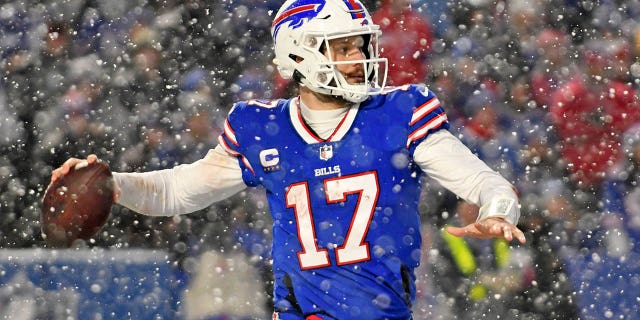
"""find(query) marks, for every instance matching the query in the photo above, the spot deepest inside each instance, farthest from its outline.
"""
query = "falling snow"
(544, 91)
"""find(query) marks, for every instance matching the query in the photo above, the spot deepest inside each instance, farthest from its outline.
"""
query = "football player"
(341, 164)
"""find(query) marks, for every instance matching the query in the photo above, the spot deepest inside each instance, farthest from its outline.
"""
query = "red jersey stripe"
(424, 110)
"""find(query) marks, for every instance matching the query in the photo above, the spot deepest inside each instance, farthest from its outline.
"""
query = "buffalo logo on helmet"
(297, 14)
(302, 11)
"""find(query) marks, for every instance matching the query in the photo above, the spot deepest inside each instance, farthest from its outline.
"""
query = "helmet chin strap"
(348, 96)
(328, 98)
(343, 95)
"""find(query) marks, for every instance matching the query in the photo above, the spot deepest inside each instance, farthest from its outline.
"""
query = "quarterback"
(341, 165)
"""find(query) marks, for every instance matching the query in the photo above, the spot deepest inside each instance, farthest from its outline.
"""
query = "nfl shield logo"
(326, 152)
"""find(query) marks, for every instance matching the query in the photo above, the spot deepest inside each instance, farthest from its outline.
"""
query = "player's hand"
(489, 228)
(72, 162)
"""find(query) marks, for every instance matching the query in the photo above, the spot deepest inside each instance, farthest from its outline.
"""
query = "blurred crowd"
(544, 91)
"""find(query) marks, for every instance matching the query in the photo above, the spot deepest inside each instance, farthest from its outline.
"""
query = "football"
(77, 205)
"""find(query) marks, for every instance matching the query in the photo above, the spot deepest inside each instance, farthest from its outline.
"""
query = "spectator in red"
(406, 40)
(552, 68)
(591, 111)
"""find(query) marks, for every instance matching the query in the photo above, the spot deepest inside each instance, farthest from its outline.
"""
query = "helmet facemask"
(323, 76)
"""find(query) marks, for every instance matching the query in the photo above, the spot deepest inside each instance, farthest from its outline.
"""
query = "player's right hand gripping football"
(72, 162)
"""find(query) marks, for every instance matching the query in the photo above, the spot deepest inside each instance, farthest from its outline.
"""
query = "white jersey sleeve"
(448, 161)
(183, 189)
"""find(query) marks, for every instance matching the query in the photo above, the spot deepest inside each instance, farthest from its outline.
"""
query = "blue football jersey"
(346, 233)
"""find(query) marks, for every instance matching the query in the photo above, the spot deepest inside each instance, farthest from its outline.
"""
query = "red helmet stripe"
(356, 6)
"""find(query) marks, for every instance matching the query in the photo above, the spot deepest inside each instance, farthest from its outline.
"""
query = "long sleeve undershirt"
(191, 187)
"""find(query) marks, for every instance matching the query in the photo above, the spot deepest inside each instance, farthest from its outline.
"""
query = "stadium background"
(146, 85)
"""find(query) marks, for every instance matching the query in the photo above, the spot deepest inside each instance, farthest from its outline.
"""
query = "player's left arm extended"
(447, 160)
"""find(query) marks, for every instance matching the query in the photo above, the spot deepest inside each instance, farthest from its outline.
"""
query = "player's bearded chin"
(327, 98)
(358, 73)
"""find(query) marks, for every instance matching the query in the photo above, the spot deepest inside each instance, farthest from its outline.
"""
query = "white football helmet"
(301, 28)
